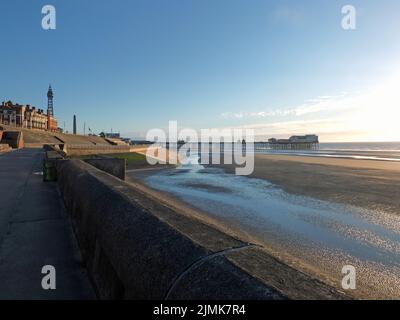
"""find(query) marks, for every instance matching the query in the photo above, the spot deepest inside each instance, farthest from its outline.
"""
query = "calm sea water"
(389, 151)
(358, 150)
(361, 146)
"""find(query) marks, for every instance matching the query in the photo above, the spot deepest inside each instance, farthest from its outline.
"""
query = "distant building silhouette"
(309, 141)
(112, 135)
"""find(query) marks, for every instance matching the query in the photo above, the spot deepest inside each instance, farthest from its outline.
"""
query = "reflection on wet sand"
(316, 236)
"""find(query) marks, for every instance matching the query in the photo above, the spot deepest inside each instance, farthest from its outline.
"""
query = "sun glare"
(378, 112)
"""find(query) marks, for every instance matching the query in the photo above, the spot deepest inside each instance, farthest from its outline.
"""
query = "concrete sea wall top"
(136, 247)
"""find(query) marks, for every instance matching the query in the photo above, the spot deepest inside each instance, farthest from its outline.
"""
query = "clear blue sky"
(132, 65)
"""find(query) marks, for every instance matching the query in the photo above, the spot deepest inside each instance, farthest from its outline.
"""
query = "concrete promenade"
(35, 231)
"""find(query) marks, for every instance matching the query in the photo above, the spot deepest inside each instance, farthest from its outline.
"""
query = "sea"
(385, 151)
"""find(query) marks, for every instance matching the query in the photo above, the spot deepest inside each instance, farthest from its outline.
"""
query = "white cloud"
(369, 116)
(319, 104)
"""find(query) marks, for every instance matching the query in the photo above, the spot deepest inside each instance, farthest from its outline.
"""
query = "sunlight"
(376, 113)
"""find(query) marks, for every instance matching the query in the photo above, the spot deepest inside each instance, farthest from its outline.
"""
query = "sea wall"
(113, 166)
(53, 153)
(136, 247)
(80, 150)
(14, 139)
(4, 147)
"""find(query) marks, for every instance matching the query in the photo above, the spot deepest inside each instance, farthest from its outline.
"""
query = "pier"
(307, 142)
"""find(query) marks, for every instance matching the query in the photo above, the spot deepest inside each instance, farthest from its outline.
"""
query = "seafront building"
(112, 135)
(307, 142)
(30, 117)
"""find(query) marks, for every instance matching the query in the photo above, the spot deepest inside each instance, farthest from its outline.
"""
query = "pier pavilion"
(307, 142)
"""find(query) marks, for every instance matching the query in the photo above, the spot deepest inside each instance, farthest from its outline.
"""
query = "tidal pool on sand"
(319, 234)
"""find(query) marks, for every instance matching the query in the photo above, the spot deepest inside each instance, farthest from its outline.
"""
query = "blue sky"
(280, 67)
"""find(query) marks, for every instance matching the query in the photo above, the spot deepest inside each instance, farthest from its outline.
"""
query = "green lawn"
(133, 160)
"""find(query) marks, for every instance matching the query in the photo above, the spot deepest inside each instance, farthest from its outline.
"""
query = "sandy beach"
(365, 183)
(358, 217)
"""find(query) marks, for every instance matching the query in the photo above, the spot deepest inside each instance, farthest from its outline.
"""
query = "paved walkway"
(35, 231)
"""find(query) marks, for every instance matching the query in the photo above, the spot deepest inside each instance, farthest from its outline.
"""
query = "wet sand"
(365, 183)
(373, 185)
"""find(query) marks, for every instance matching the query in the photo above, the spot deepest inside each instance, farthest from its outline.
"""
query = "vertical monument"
(74, 129)
(51, 122)
(50, 111)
